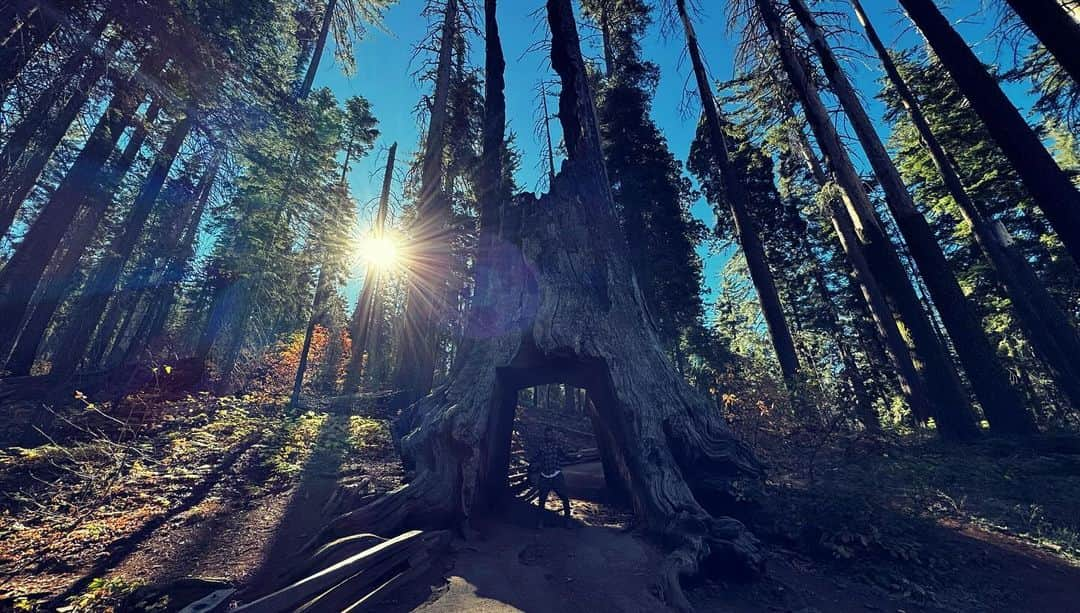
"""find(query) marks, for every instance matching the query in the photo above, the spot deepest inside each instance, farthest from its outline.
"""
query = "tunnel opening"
(573, 397)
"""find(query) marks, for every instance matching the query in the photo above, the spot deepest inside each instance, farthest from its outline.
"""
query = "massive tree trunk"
(1048, 327)
(1049, 185)
(948, 404)
(429, 261)
(102, 283)
(22, 273)
(368, 313)
(745, 229)
(61, 279)
(1055, 28)
(561, 305)
(19, 168)
(1001, 403)
(317, 52)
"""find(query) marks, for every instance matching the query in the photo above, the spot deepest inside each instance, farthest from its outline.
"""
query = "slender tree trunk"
(494, 191)
(102, 283)
(320, 47)
(1055, 28)
(38, 113)
(19, 168)
(107, 355)
(427, 277)
(911, 384)
(239, 331)
(745, 228)
(22, 273)
(369, 305)
(1002, 404)
(95, 203)
(871, 343)
(493, 136)
(222, 306)
(547, 132)
(118, 313)
(317, 307)
(605, 34)
(1049, 185)
(863, 409)
(569, 393)
(949, 403)
(1047, 326)
(35, 23)
(163, 292)
(876, 266)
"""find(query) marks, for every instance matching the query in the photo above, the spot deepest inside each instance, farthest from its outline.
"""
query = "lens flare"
(382, 252)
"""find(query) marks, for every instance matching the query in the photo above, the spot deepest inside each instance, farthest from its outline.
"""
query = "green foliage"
(651, 195)
(995, 186)
(102, 594)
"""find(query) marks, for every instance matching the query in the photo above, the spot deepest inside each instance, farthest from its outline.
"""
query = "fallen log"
(358, 573)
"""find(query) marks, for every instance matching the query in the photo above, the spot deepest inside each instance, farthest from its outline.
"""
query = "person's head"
(549, 433)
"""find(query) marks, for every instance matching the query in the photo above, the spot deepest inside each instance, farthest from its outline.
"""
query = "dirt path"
(513, 568)
(239, 518)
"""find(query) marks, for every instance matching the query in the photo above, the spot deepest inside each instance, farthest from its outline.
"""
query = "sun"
(381, 252)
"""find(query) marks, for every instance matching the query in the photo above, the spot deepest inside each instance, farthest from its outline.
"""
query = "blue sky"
(385, 67)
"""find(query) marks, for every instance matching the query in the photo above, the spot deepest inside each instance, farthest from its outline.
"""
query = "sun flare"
(382, 252)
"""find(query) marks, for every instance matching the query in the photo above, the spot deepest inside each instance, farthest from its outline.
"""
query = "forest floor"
(231, 487)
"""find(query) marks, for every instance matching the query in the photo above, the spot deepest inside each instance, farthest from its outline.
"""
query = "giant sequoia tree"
(560, 304)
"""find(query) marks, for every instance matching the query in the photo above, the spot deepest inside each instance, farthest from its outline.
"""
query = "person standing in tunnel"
(547, 466)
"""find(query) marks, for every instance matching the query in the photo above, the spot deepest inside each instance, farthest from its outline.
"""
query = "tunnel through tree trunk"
(560, 304)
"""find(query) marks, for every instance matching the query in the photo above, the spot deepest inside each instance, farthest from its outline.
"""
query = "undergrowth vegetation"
(91, 494)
